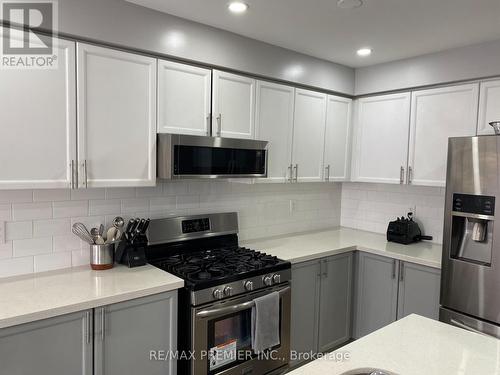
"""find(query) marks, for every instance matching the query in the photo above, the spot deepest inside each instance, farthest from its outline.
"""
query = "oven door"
(222, 339)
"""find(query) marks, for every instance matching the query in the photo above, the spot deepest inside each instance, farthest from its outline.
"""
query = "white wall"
(465, 63)
(131, 26)
(371, 206)
(38, 222)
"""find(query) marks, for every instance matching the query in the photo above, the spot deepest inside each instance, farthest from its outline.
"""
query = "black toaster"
(405, 231)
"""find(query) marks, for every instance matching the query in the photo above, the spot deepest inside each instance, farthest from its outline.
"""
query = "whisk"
(81, 231)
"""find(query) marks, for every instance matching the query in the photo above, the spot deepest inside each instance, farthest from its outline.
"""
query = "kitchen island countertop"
(413, 345)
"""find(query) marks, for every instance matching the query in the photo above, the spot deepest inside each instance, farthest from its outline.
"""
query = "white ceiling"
(395, 29)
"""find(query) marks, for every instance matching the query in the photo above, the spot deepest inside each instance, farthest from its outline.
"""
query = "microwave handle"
(232, 309)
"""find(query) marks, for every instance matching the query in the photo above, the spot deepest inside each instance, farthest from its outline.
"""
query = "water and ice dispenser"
(472, 228)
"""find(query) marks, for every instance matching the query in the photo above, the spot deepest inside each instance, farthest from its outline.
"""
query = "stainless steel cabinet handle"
(72, 183)
(86, 181)
(325, 269)
(219, 125)
(410, 175)
(290, 173)
(401, 271)
(296, 169)
(327, 173)
(465, 326)
(103, 323)
(402, 175)
(394, 268)
(209, 116)
(87, 327)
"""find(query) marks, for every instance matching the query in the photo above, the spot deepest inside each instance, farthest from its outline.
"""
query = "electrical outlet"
(413, 209)
(2, 232)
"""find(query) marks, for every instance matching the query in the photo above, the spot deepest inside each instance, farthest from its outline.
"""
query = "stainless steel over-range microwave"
(188, 156)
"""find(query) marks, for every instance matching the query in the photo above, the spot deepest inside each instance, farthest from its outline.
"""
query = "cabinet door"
(418, 290)
(233, 106)
(183, 99)
(305, 309)
(38, 121)
(489, 106)
(126, 332)
(337, 138)
(116, 118)
(274, 123)
(309, 135)
(376, 293)
(381, 138)
(58, 346)
(335, 302)
(437, 114)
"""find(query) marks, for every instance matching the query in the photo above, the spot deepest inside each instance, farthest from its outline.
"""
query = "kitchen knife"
(145, 226)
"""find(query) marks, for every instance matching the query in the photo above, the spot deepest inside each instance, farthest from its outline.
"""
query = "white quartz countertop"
(44, 295)
(313, 245)
(414, 346)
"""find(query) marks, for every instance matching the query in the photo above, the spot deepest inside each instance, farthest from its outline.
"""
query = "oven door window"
(228, 336)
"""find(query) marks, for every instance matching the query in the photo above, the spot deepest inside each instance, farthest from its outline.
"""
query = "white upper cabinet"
(233, 103)
(337, 138)
(38, 123)
(308, 135)
(436, 115)
(183, 99)
(116, 118)
(274, 123)
(489, 106)
(381, 138)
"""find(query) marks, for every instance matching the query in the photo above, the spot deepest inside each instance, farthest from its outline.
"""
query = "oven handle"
(232, 309)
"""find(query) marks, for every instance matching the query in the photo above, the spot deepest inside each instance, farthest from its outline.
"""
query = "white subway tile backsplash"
(119, 193)
(134, 205)
(52, 227)
(80, 194)
(16, 266)
(18, 230)
(49, 262)
(70, 209)
(51, 195)
(371, 206)
(31, 211)
(5, 212)
(67, 242)
(6, 250)
(15, 196)
(39, 232)
(104, 207)
(32, 246)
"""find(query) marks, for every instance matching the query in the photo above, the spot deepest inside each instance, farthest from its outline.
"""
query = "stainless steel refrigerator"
(470, 281)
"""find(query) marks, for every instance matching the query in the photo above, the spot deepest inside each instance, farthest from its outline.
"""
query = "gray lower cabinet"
(389, 289)
(419, 288)
(321, 305)
(126, 332)
(56, 346)
(305, 309)
(91, 342)
(335, 301)
(376, 293)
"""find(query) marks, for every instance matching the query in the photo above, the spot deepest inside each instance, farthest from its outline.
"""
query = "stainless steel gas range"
(222, 280)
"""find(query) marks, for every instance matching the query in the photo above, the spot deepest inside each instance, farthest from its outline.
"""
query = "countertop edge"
(94, 303)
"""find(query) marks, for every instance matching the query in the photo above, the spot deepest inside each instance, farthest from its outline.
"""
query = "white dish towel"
(266, 322)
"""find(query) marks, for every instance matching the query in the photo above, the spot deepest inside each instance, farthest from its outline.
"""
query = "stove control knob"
(276, 278)
(248, 285)
(268, 281)
(228, 291)
(218, 294)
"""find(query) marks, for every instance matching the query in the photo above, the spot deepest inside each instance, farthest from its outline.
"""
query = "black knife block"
(132, 254)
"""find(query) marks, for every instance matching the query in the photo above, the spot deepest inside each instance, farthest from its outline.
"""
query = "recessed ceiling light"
(363, 52)
(349, 4)
(237, 7)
